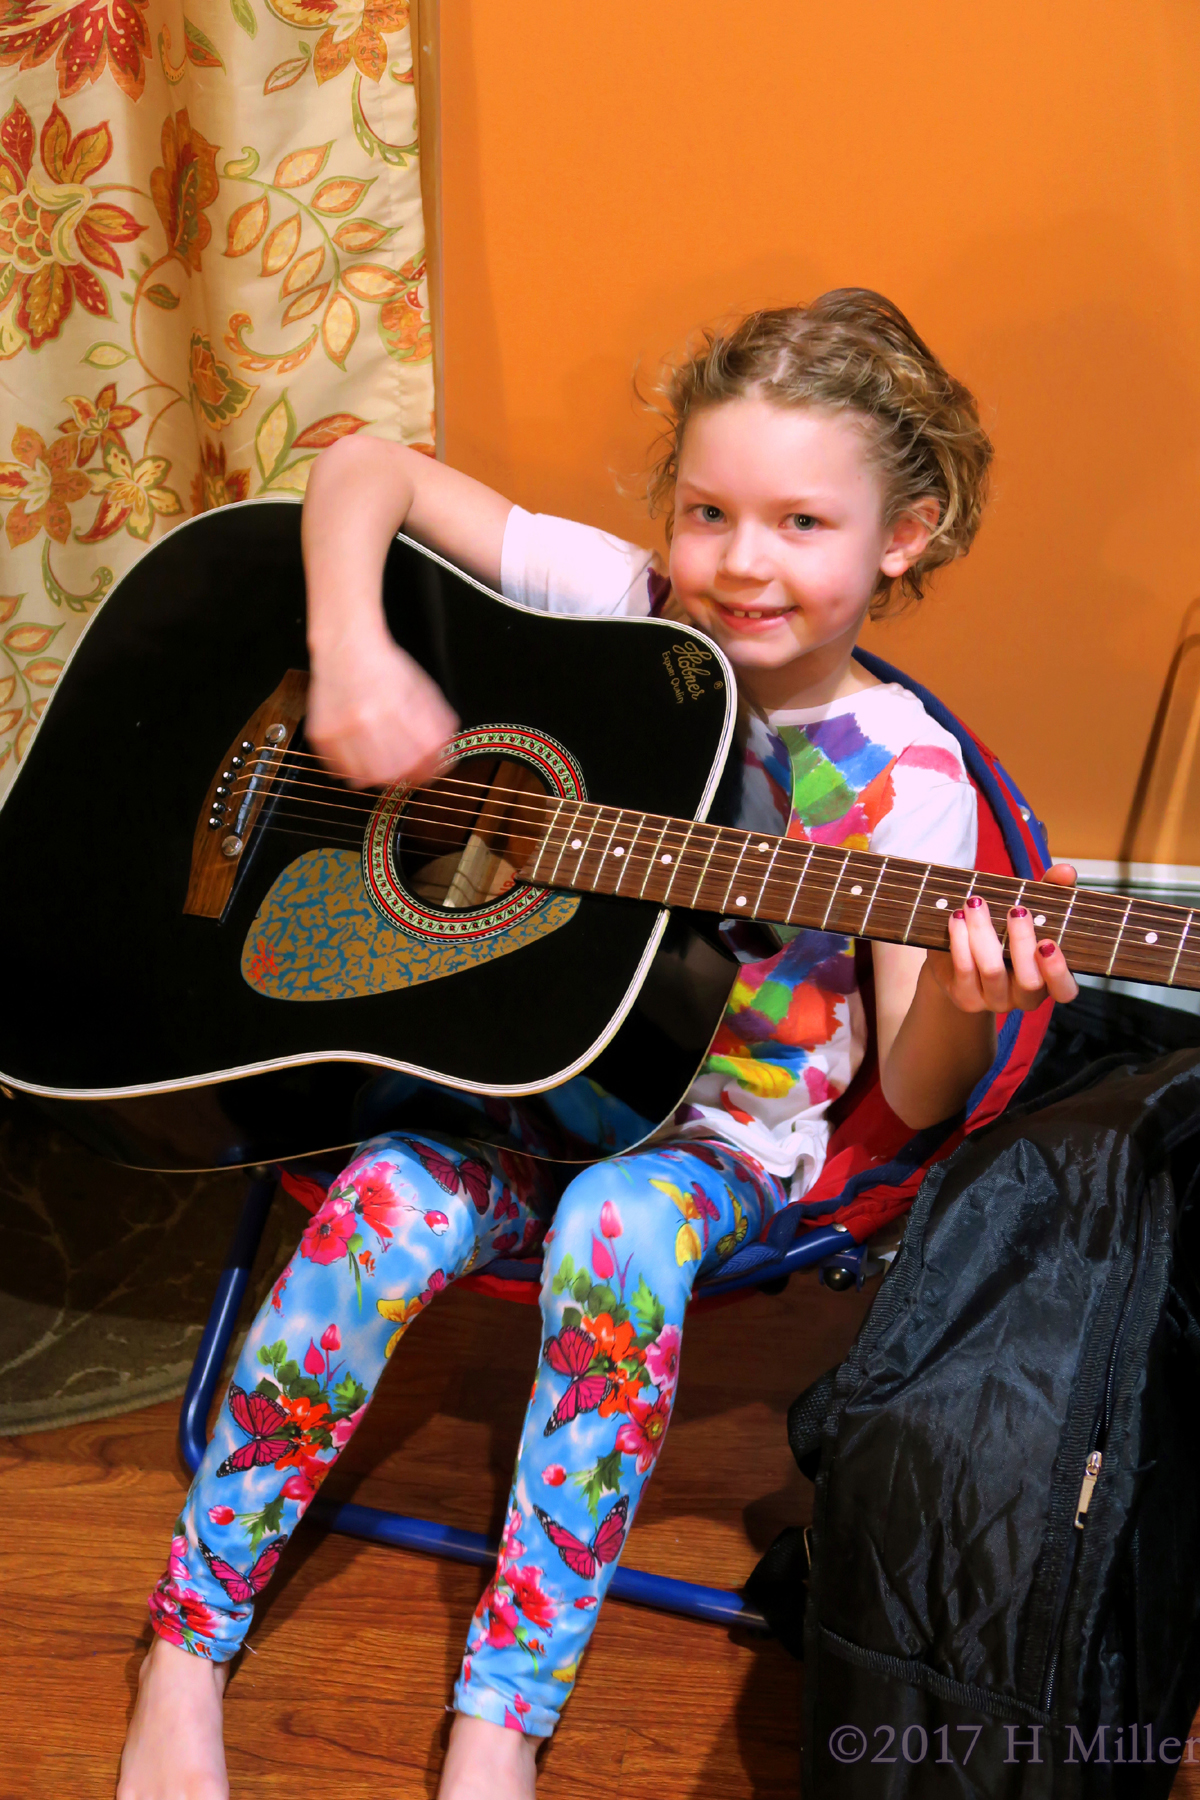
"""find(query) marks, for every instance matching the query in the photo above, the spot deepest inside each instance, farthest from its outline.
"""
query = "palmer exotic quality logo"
(690, 666)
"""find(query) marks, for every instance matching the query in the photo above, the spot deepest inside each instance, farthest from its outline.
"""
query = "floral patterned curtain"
(211, 266)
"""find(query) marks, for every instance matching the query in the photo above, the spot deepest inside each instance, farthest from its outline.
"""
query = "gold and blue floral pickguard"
(317, 936)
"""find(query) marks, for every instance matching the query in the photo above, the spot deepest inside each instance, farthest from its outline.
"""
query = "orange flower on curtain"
(211, 266)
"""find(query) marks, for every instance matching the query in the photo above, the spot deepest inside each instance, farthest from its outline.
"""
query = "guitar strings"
(536, 807)
(1076, 923)
(1096, 907)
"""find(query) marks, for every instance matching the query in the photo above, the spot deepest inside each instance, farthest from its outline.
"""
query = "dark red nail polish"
(1019, 912)
(1046, 949)
(975, 900)
(960, 914)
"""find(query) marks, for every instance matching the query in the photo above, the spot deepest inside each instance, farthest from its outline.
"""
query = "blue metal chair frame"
(827, 1247)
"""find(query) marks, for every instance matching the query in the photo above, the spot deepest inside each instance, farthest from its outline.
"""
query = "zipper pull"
(1091, 1476)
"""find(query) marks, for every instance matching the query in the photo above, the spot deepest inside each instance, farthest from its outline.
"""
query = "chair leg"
(222, 1319)
(718, 1605)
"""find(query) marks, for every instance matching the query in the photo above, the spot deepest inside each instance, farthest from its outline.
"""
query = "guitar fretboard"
(740, 874)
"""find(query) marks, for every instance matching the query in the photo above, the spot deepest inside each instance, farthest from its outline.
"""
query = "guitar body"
(175, 1040)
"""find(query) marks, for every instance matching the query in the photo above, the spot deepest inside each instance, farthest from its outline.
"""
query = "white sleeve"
(556, 565)
(933, 819)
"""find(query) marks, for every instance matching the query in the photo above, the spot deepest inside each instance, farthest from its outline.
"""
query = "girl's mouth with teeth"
(741, 617)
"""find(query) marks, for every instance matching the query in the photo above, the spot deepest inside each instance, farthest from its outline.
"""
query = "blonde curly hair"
(853, 351)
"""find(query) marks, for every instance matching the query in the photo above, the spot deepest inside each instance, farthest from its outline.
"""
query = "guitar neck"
(854, 893)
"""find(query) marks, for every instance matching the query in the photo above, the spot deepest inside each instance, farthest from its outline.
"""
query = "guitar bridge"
(234, 800)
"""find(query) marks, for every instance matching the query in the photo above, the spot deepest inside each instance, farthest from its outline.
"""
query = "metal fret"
(1062, 928)
(1120, 932)
(833, 891)
(712, 848)
(587, 843)
(627, 848)
(567, 830)
(799, 883)
(762, 888)
(679, 856)
(1179, 952)
(874, 891)
(733, 878)
(653, 857)
(912, 915)
(1015, 904)
(607, 846)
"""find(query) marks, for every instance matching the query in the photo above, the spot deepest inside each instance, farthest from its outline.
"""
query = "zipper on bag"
(1091, 1475)
(1093, 1462)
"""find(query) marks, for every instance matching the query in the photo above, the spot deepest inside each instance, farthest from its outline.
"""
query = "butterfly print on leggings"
(265, 1424)
(586, 1559)
(452, 1177)
(571, 1353)
(242, 1589)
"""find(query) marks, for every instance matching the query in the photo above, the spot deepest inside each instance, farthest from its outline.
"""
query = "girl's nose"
(748, 554)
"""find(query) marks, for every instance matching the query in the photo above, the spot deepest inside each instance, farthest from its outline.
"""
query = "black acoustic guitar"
(213, 950)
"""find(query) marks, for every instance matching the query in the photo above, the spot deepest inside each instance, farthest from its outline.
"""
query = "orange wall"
(1024, 180)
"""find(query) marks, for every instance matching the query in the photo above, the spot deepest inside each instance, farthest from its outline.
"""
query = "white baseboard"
(1178, 883)
(1123, 878)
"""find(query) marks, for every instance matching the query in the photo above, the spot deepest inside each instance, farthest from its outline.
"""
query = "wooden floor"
(358, 1646)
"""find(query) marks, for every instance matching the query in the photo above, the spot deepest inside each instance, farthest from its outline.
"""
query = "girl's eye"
(712, 515)
(803, 521)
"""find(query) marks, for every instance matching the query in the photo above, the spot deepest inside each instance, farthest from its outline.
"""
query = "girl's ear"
(909, 537)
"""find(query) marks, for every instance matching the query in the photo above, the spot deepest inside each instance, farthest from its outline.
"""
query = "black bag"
(1004, 1593)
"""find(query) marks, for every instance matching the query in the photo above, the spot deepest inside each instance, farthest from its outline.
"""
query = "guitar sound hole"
(461, 841)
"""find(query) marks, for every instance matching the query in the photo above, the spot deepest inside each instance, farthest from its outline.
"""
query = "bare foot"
(174, 1749)
(487, 1762)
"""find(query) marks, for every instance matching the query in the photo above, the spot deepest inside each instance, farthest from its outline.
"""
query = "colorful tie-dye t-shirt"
(871, 771)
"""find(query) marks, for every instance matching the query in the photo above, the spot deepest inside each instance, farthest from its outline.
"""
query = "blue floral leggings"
(407, 1217)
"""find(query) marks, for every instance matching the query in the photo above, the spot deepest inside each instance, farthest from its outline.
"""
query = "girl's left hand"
(974, 974)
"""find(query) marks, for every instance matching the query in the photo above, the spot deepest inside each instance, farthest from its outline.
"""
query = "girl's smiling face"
(779, 541)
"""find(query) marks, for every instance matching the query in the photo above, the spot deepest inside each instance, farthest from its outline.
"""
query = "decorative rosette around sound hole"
(438, 859)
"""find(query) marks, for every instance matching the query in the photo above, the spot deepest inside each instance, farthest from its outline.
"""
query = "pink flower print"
(314, 1362)
(466, 1669)
(277, 1292)
(553, 1474)
(537, 1605)
(602, 1261)
(177, 1569)
(642, 1434)
(344, 1429)
(331, 1338)
(586, 1603)
(327, 1238)
(174, 1615)
(222, 1515)
(379, 1203)
(610, 1220)
(511, 1721)
(503, 1622)
(662, 1359)
(310, 1472)
(437, 1222)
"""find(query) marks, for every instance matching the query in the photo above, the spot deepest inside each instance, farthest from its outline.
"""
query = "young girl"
(818, 458)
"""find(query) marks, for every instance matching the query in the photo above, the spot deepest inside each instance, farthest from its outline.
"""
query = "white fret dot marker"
(1039, 918)
(665, 859)
(764, 848)
(856, 890)
(618, 851)
(1152, 937)
(577, 843)
(941, 903)
(740, 901)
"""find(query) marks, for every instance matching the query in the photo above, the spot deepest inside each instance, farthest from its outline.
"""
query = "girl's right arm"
(373, 714)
